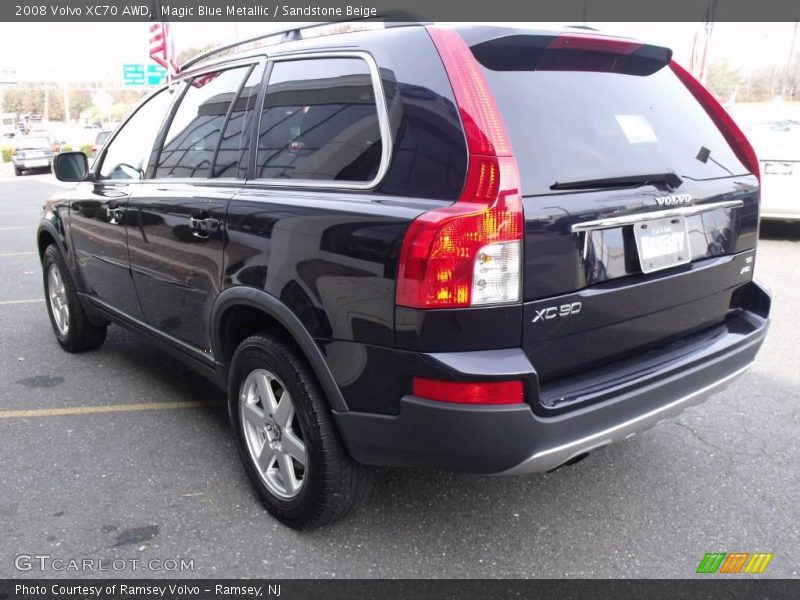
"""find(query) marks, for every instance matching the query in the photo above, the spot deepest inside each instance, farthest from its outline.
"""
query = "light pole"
(788, 67)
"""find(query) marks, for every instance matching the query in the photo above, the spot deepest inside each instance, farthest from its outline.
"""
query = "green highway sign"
(156, 75)
(139, 75)
(133, 74)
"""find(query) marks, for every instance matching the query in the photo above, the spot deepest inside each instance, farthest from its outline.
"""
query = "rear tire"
(291, 452)
(17, 171)
(74, 331)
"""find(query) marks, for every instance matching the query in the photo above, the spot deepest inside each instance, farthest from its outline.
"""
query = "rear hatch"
(30, 148)
(640, 218)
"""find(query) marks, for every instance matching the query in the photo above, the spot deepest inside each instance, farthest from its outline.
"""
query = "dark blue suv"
(478, 248)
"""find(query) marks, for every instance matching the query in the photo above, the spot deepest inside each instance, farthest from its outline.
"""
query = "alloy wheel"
(272, 433)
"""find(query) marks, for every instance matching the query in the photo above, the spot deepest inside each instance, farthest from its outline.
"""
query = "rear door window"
(233, 147)
(194, 132)
(320, 122)
(573, 125)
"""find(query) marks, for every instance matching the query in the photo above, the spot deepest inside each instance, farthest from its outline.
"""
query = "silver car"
(777, 144)
(34, 152)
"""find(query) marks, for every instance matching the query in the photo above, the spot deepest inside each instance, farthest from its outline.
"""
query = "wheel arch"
(260, 310)
(48, 234)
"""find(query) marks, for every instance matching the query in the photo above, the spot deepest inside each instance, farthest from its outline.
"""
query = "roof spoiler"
(571, 51)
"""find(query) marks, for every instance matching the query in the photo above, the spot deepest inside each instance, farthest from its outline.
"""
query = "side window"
(128, 154)
(195, 129)
(319, 122)
(235, 140)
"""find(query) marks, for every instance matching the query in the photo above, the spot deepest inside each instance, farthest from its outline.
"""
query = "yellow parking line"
(108, 408)
(21, 301)
(17, 253)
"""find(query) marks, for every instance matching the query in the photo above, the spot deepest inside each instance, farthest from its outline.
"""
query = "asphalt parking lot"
(106, 483)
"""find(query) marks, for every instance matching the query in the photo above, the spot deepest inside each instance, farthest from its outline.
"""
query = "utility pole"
(788, 68)
(709, 29)
(66, 102)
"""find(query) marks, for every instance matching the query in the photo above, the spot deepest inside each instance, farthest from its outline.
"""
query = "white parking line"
(17, 228)
(17, 253)
(21, 301)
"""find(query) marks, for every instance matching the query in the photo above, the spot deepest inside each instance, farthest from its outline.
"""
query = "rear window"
(34, 142)
(580, 125)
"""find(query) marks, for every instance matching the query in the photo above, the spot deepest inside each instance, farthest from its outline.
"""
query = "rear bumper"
(34, 163)
(515, 439)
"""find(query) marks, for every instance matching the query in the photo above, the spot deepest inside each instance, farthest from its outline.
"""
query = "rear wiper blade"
(669, 178)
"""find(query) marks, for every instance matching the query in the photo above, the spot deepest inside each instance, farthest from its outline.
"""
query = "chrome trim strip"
(546, 460)
(681, 211)
(383, 124)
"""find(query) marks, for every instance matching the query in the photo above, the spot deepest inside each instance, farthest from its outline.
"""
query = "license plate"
(34, 153)
(662, 243)
(778, 168)
(33, 164)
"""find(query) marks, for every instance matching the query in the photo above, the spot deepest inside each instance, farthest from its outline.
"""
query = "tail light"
(469, 253)
(94, 150)
(56, 148)
(13, 152)
(733, 134)
(469, 392)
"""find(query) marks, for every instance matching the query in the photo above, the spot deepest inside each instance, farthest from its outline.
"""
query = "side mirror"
(71, 166)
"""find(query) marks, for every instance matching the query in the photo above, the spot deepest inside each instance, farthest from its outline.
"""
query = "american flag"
(162, 49)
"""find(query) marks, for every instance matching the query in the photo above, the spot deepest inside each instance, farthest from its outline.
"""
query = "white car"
(777, 144)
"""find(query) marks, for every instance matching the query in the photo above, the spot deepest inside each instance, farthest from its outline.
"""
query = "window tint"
(577, 125)
(233, 147)
(129, 152)
(319, 122)
(195, 129)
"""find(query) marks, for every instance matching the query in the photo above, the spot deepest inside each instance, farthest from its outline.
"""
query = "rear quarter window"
(320, 122)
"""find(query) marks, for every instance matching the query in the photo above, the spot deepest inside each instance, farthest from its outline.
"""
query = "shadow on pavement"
(780, 230)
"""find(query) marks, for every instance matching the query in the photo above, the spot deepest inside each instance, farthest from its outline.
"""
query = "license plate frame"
(662, 243)
(36, 163)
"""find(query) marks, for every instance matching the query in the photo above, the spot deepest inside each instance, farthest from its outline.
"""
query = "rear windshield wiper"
(669, 178)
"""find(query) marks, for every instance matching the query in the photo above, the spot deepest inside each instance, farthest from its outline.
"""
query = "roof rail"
(295, 33)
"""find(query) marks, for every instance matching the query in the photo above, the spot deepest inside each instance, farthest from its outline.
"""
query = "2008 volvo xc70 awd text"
(478, 248)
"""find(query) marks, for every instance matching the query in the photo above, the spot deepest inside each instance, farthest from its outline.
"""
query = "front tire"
(286, 437)
(74, 331)
(17, 171)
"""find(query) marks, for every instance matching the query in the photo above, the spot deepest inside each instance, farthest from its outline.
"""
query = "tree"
(722, 79)
(24, 101)
(189, 53)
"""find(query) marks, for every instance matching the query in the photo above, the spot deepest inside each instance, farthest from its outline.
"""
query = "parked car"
(8, 125)
(34, 152)
(777, 143)
(478, 248)
(100, 139)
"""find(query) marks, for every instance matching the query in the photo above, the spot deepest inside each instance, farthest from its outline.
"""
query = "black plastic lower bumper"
(513, 439)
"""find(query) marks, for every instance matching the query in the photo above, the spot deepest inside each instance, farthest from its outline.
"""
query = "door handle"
(203, 228)
(115, 214)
